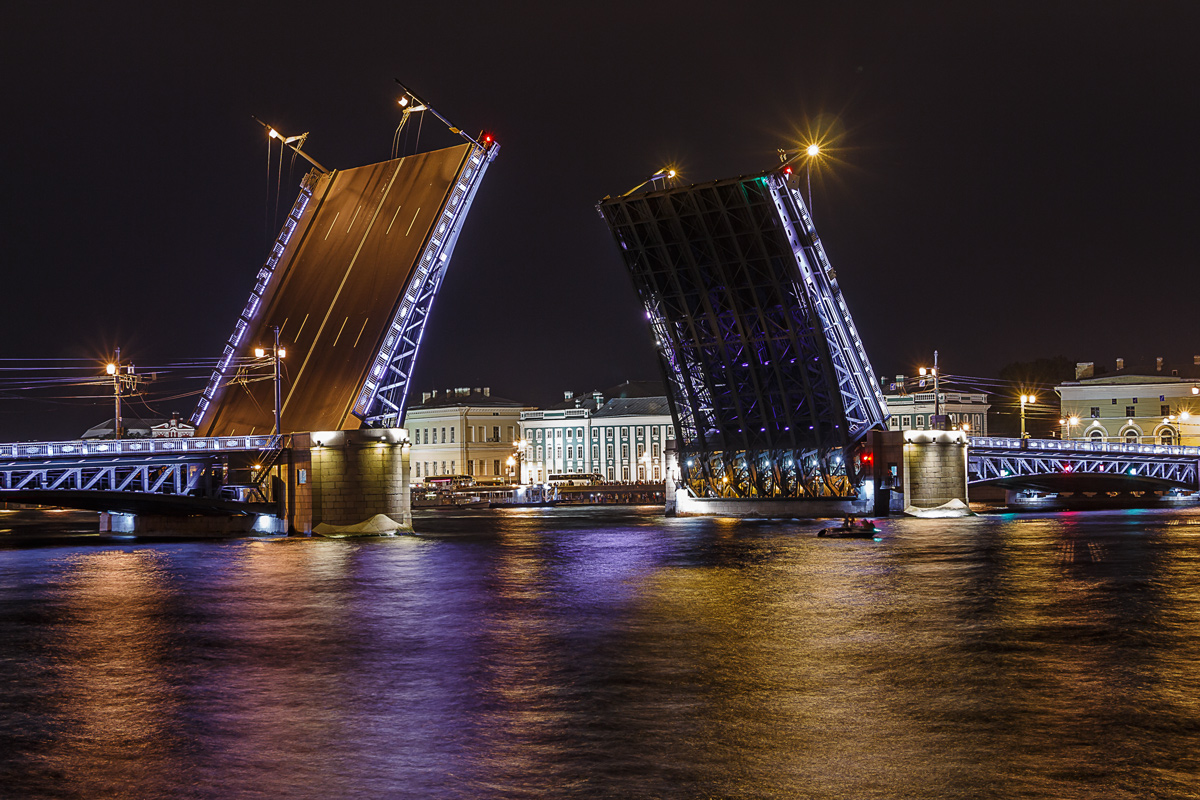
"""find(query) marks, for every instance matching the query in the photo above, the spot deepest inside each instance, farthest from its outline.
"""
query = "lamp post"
(516, 458)
(277, 353)
(1025, 399)
(1068, 423)
(937, 395)
(114, 369)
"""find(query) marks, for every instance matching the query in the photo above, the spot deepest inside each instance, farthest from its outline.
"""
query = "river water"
(608, 653)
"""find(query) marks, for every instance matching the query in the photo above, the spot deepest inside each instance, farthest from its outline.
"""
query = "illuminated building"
(1147, 404)
(462, 432)
(622, 439)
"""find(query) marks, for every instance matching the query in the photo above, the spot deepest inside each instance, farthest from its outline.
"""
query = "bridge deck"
(354, 250)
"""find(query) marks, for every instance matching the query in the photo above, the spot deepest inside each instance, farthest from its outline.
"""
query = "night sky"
(1004, 183)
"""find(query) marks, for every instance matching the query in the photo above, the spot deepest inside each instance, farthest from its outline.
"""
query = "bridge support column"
(343, 478)
(935, 469)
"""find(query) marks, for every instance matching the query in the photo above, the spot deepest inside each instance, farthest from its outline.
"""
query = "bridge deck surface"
(335, 295)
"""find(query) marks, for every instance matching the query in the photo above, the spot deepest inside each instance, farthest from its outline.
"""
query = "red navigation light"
(486, 138)
(787, 171)
(868, 458)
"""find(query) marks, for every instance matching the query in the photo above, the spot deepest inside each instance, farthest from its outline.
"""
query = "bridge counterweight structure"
(768, 382)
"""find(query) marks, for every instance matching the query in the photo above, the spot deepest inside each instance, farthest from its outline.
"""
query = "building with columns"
(622, 437)
(463, 432)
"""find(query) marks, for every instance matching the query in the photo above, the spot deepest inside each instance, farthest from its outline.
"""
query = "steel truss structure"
(87, 474)
(768, 382)
(384, 395)
(1017, 461)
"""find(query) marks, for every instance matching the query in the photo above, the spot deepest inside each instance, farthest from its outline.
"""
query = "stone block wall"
(347, 477)
(935, 468)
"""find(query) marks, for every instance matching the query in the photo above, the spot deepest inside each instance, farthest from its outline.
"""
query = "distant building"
(1145, 403)
(463, 432)
(915, 410)
(620, 434)
(133, 428)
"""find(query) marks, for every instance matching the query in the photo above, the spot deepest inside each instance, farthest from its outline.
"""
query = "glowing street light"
(1030, 400)
(276, 354)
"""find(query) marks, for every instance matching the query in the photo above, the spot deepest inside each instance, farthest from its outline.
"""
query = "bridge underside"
(350, 284)
(769, 385)
(158, 504)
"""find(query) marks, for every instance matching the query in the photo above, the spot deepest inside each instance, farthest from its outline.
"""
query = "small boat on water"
(850, 529)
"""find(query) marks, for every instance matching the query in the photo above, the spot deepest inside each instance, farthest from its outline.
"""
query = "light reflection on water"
(611, 653)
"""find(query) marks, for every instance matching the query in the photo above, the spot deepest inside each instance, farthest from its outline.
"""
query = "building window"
(625, 474)
(560, 452)
(595, 452)
(625, 454)
(920, 421)
(624, 433)
(1162, 397)
(496, 465)
(496, 435)
(539, 453)
(443, 435)
(435, 435)
(427, 436)
(1129, 411)
(418, 469)
(427, 469)
(453, 471)
(595, 433)
(1135, 401)
(1095, 412)
(1131, 436)
(1164, 410)
(609, 449)
(570, 433)
(452, 436)
(570, 450)
(1167, 436)
(670, 431)
(907, 423)
(471, 468)
(539, 434)
(1096, 436)
(641, 448)
(510, 438)
(579, 433)
(654, 449)
(1114, 401)
(612, 476)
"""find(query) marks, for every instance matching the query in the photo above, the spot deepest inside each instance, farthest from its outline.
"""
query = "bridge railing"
(97, 448)
(1081, 446)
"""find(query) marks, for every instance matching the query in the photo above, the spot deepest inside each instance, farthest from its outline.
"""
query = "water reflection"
(603, 653)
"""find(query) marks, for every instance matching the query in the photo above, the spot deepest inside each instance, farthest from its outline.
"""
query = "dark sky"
(1006, 183)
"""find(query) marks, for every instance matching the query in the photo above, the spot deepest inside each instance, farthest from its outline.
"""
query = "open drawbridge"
(350, 283)
(769, 385)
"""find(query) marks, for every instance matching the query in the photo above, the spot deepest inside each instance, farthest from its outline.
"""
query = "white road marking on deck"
(301, 327)
(351, 225)
(393, 222)
(345, 277)
(407, 232)
(360, 331)
(335, 216)
(339, 336)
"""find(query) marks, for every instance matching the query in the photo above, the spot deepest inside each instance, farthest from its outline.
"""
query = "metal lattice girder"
(1002, 460)
(768, 382)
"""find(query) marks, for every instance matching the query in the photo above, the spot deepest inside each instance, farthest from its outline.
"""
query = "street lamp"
(1025, 399)
(1068, 423)
(516, 458)
(276, 354)
(114, 369)
(937, 397)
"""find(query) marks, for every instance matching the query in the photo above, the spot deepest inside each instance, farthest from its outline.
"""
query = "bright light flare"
(283, 352)
(259, 352)
(813, 150)
(111, 369)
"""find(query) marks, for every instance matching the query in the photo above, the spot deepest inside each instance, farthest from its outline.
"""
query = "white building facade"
(463, 432)
(623, 440)
(915, 411)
